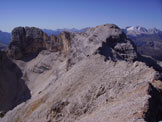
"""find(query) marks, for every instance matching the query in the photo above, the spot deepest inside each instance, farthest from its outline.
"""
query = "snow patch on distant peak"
(138, 30)
(130, 28)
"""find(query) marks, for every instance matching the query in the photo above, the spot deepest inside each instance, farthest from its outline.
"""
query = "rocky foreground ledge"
(95, 76)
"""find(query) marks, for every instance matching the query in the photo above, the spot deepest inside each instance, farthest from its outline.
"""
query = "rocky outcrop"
(115, 46)
(29, 41)
(26, 42)
(107, 40)
(13, 89)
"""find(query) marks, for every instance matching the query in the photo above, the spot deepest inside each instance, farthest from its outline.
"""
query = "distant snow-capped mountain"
(138, 30)
(154, 31)
(148, 41)
(58, 31)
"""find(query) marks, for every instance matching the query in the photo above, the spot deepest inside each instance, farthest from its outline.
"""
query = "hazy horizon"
(53, 14)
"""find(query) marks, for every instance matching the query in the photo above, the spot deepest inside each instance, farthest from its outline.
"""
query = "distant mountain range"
(58, 31)
(137, 30)
(5, 37)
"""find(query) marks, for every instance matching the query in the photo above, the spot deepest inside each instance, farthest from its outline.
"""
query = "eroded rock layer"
(28, 42)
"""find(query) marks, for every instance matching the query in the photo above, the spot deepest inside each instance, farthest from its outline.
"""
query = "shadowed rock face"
(154, 113)
(26, 42)
(13, 90)
(118, 48)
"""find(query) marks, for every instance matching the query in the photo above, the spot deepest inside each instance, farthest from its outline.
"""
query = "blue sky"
(53, 14)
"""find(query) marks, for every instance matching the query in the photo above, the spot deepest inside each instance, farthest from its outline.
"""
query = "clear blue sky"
(53, 14)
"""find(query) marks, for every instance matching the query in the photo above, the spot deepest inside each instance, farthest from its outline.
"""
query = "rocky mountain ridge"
(148, 41)
(91, 76)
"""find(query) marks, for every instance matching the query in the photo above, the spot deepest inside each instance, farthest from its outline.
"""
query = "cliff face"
(13, 89)
(93, 76)
(26, 42)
